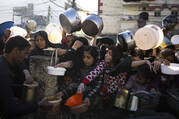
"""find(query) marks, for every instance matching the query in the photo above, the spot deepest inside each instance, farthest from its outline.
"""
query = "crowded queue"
(98, 72)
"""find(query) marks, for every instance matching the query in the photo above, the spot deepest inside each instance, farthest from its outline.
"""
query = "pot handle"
(93, 42)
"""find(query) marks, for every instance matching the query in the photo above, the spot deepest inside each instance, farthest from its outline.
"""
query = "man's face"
(21, 55)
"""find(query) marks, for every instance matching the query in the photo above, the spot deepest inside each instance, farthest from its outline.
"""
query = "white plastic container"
(55, 101)
(59, 71)
(172, 69)
(148, 37)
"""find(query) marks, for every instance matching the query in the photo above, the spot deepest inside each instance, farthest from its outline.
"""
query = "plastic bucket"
(148, 37)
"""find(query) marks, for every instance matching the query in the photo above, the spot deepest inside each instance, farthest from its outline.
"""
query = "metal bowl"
(126, 40)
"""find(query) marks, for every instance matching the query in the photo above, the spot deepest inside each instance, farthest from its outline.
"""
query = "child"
(168, 54)
(141, 80)
(90, 58)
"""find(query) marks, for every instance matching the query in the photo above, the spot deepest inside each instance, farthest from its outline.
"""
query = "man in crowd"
(16, 50)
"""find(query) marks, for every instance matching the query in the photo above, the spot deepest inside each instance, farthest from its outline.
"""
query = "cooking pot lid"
(33, 84)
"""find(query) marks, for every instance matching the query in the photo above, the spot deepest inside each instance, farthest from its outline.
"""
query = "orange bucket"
(74, 100)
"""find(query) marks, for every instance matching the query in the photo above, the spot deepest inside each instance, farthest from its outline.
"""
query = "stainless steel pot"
(124, 100)
(121, 99)
(30, 92)
(92, 25)
(70, 21)
(126, 40)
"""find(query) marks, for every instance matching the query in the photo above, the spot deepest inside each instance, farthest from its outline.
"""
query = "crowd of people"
(98, 72)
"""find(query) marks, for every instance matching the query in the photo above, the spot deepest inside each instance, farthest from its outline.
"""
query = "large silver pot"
(92, 25)
(70, 21)
(126, 40)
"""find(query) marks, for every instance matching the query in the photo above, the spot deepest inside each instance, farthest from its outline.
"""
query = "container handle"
(56, 57)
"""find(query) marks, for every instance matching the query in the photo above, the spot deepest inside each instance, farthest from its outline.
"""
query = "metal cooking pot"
(30, 92)
(124, 100)
(126, 40)
(121, 99)
(70, 21)
(92, 25)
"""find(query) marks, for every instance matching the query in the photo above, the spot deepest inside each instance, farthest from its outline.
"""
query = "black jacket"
(9, 107)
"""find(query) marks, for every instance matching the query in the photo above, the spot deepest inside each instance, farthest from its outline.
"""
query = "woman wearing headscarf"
(168, 24)
(41, 43)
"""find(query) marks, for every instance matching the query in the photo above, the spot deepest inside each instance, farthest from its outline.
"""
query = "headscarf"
(4, 26)
(169, 21)
(44, 35)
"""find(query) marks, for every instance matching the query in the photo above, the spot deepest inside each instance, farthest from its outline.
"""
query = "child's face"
(141, 80)
(67, 80)
(87, 59)
(108, 57)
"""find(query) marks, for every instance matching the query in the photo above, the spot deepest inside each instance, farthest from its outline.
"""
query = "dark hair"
(148, 53)
(70, 72)
(16, 42)
(169, 21)
(93, 52)
(116, 54)
(72, 36)
(83, 40)
(145, 72)
(144, 16)
(137, 52)
(1, 46)
(167, 52)
(44, 35)
(105, 40)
